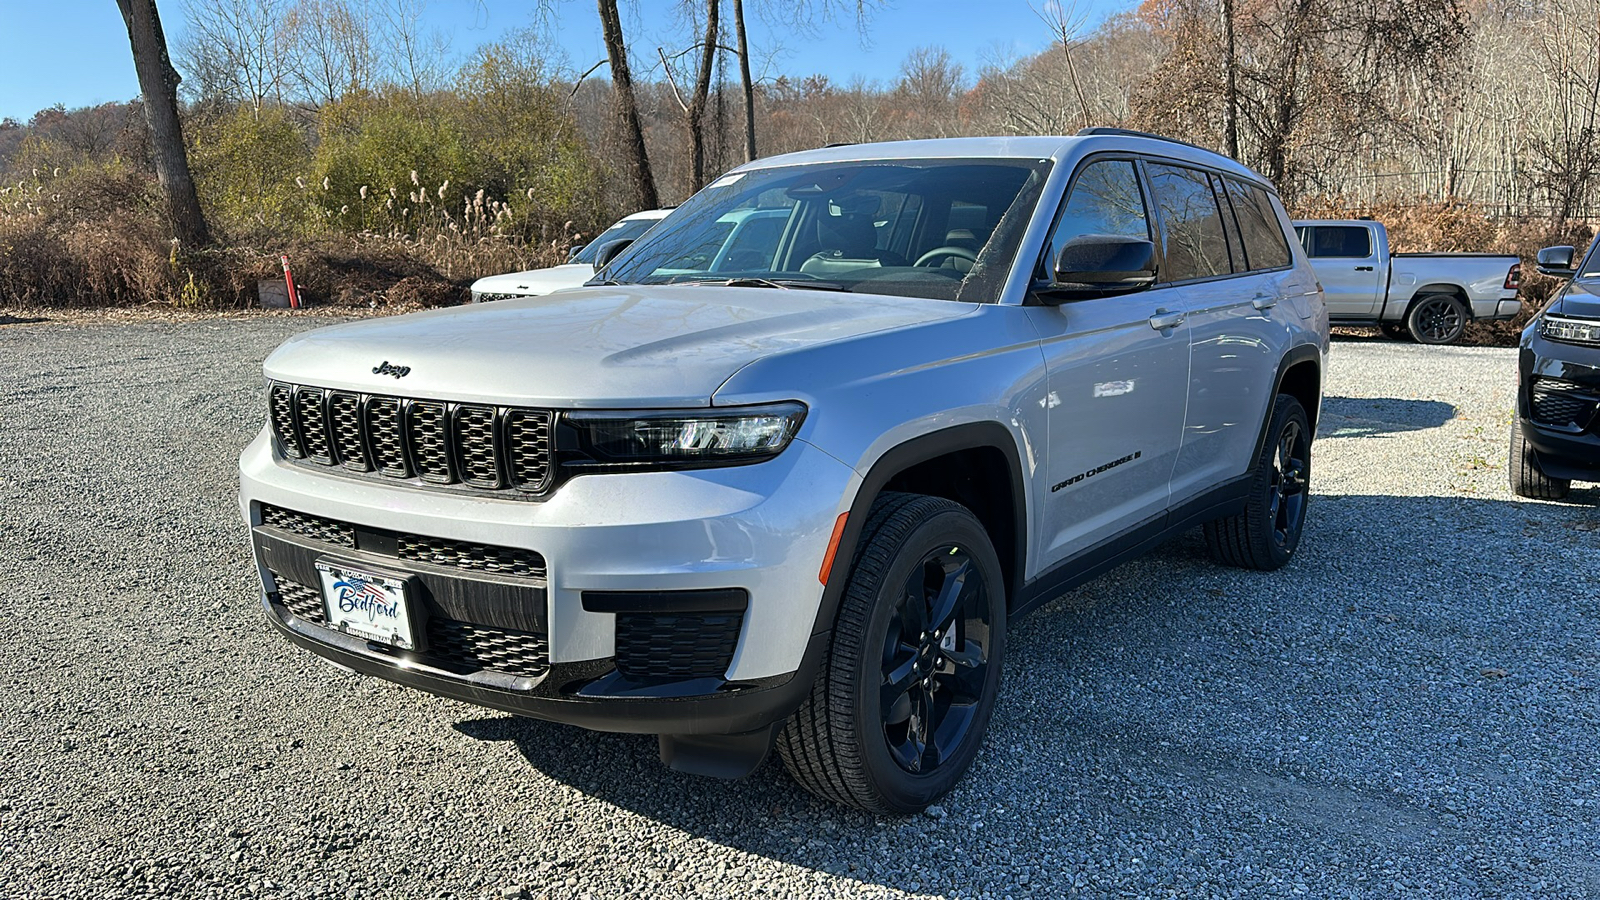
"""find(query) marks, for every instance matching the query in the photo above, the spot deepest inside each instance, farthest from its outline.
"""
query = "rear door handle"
(1363, 268)
(1164, 319)
(1264, 301)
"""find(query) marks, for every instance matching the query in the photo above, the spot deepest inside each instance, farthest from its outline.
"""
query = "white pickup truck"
(1429, 297)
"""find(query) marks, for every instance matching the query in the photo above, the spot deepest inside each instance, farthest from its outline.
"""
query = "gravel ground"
(1409, 709)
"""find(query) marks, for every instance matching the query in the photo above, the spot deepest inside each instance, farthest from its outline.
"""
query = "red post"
(288, 279)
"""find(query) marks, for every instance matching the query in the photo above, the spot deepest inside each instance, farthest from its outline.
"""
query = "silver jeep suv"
(789, 487)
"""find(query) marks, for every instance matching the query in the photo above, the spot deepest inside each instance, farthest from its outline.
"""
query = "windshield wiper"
(782, 284)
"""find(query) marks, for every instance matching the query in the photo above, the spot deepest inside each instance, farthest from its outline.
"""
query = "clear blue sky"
(75, 52)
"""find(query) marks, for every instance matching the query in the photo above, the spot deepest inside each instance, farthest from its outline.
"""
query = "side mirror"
(609, 251)
(574, 250)
(1557, 261)
(1101, 265)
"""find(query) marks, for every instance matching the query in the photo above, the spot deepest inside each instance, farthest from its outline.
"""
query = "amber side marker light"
(833, 547)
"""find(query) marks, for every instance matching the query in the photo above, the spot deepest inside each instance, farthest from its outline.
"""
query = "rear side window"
(1105, 200)
(1338, 241)
(1196, 244)
(1264, 242)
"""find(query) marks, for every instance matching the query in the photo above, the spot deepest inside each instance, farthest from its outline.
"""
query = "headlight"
(688, 437)
(1556, 328)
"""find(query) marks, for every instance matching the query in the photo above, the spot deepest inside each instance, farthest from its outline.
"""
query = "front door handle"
(1166, 318)
(1264, 301)
(1363, 268)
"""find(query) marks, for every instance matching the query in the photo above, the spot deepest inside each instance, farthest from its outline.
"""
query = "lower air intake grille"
(1562, 403)
(452, 645)
(692, 645)
(413, 547)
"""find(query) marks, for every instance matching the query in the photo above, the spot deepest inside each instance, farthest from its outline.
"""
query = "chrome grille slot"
(280, 412)
(386, 436)
(344, 417)
(475, 446)
(430, 446)
(312, 424)
(528, 448)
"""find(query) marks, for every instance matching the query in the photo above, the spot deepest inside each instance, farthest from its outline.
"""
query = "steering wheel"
(938, 255)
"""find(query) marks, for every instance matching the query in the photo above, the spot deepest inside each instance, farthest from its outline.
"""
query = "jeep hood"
(598, 347)
(536, 281)
(1581, 300)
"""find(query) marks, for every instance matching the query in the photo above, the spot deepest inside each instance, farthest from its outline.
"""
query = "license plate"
(367, 604)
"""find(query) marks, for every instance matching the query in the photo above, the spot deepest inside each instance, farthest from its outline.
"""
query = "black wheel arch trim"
(920, 449)
(1296, 355)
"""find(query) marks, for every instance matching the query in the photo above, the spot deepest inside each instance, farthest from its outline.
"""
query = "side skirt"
(1226, 499)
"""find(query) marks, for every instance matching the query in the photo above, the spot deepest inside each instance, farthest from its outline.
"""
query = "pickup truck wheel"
(899, 710)
(1394, 331)
(1527, 479)
(1437, 319)
(1264, 536)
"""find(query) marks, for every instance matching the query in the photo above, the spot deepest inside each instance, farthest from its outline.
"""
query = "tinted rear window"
(1196, 245)
(1264, 241)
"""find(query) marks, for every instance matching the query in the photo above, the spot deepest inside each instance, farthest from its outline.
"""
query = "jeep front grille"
(465, 445)
(1562, 404)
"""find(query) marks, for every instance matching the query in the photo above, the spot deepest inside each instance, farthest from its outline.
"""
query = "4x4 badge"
(384, 368)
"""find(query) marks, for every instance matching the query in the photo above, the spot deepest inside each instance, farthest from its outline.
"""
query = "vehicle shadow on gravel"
(1340, 704)
(1368, 416)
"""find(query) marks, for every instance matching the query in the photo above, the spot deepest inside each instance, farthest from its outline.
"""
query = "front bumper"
(1565, 446)
(760, 529)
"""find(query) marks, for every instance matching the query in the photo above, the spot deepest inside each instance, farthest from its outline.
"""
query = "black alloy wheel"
(1286, 506)
(1437, 319)
(1265, 534)
(935, 661)
(912, 671)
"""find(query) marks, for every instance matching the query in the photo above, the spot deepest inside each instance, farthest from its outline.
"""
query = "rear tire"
(1527, 479)
(1437, 319)
(1264, 536)
(908, 685)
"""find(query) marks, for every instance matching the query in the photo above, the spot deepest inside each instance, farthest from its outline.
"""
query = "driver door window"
(1105, 200)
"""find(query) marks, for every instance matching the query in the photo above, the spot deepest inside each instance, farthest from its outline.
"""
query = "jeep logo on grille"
(384, 368)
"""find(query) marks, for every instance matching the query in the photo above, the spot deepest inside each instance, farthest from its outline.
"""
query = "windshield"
(941, 229)
(627, 229)
(1591, 262)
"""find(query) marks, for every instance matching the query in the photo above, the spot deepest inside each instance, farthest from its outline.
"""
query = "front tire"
(899, 710)
(1264, 536)
(1527, 479)
(1437, 319)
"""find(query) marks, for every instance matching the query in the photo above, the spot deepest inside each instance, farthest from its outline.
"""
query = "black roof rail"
(839, 144)
(1129, 132)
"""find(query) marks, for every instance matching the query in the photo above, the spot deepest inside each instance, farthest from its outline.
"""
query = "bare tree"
(694, 108)
(1065, 22)
(158, 83)
(746, 86)
(625, 109)
(335, 53)
(237, 50)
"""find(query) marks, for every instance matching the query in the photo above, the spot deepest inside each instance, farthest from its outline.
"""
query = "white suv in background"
(788, 467)
(578, 269)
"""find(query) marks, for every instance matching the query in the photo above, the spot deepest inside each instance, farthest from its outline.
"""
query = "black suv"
(1555, 436)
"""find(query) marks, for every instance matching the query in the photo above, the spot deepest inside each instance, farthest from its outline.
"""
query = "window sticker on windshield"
(727, 179)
